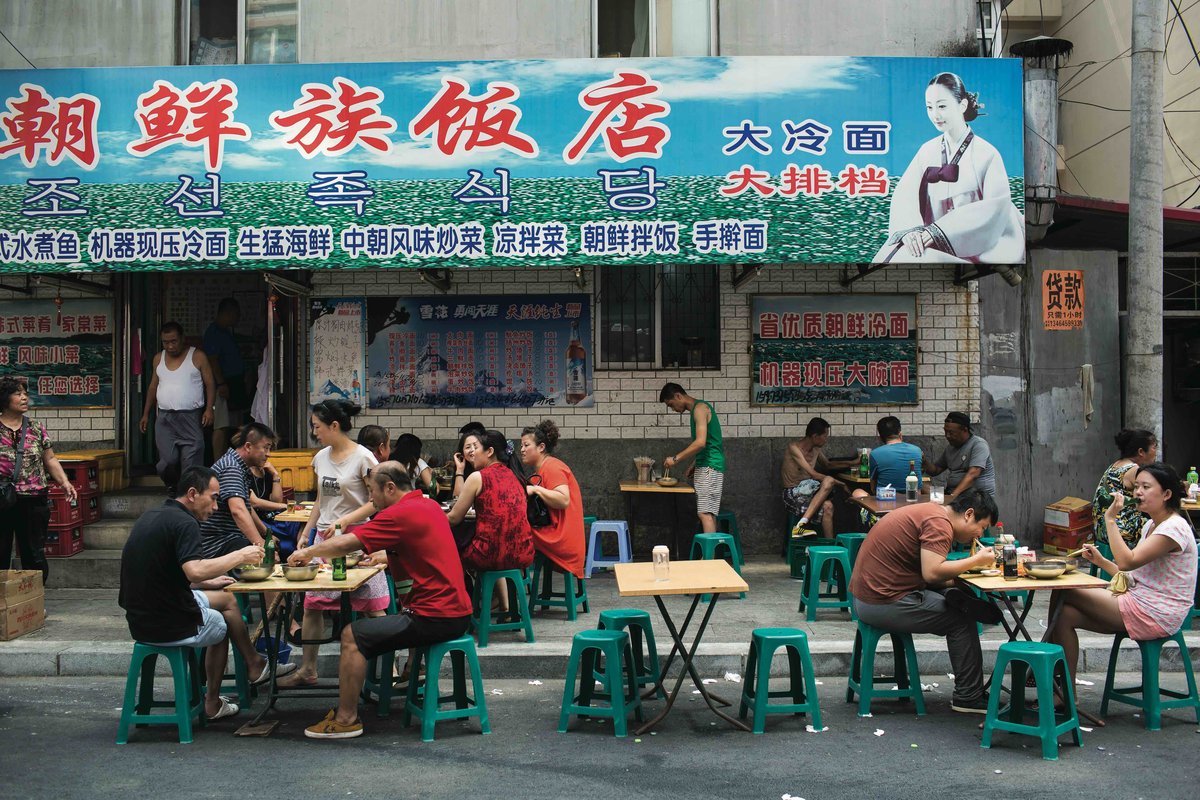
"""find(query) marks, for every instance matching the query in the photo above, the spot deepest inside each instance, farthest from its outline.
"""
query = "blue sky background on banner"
(706, 95)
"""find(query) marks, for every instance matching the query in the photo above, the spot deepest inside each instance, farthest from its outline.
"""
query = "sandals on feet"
(227, 709)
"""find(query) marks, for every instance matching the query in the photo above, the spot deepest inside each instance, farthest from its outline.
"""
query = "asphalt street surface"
(57, 741)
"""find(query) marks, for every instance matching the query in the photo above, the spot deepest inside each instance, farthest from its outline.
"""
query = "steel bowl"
(253, 572)
(1045, 569)
(303, 573)
(1072, 565)
(668, 481)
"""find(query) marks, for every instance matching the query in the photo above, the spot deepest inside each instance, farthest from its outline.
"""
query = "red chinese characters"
(747, 178)
(332, 119)
(38, 124)
(623, 109)
(870, 180)
(459, 122)
(768, 325)
(201, 116)
(810, 180)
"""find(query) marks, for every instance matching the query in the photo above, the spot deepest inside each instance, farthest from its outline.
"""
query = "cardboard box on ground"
(1068, 525)
(22, 603)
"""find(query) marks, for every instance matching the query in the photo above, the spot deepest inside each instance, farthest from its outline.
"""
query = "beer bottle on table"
(269, 551)
(339, 562)
(911, 484)
(864, 464)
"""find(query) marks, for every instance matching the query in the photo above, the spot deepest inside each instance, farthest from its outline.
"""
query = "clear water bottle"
(662, 562)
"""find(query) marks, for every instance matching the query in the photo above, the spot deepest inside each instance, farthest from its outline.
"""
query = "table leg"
(688, 668)
(281, 620)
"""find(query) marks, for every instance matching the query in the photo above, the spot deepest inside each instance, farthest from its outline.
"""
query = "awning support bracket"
(860, 271)
(439, 279)
(741, 274)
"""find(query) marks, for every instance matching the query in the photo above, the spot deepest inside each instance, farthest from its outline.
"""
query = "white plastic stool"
(595, 556)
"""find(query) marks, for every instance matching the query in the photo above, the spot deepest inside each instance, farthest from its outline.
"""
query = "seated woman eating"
(1162, 570)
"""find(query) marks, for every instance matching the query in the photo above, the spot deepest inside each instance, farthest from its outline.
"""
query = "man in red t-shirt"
(414, 532)
(901, 583)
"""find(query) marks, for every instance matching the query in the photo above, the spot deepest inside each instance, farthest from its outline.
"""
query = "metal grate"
(691, 329)
(661, 316)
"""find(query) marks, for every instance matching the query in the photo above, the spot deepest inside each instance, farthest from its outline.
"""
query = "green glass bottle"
(339, 562)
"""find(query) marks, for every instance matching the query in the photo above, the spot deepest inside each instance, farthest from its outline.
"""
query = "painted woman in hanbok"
(953, 205)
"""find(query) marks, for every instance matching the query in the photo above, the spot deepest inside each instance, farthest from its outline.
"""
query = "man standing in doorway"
(184, 390)
(229, 369)
(708, 471)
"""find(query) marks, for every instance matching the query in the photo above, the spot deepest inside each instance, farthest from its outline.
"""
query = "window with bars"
(648, 28)
(651, 317)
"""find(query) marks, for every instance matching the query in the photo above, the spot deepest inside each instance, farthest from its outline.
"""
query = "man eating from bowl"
(172, 594)
(413, 530)
(902, 583)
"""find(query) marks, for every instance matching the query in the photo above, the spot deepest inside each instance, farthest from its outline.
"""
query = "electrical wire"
(1186, 32)
(14, 47)
(1065, 164)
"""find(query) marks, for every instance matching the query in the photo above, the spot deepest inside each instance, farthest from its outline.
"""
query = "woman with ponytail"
(496, 489)
(562, 541)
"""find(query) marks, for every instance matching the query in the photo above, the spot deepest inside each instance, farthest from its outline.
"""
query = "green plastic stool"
(544, 596)
(802, 682)
(378, 683)
(811, 596)
(645, 659)
(905, 675)
(237, 681)
(852, 542)
(1191, 615)
(1148, 696)
(798, 552)
(727, 523)
(621, 695)
(1047, 663)
(188, 703)
(485, 585)
(704, 548)
(587, 526)
(426, 701)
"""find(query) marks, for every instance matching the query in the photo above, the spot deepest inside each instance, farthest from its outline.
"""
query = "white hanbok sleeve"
(906, 201)
(978, 227)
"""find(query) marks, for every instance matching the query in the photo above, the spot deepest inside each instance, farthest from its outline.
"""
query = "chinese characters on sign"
(1062, 299)
(506, 351)
(337, 353)
(834, 350)
(66, 356)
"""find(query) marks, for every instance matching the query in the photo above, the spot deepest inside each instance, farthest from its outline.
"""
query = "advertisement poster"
(822, 349)
(66, 356)
(742, 159)
(337, 355)
(1062, 299)
(479, 351)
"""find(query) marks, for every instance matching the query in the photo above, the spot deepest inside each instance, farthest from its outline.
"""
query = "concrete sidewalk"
(85, 634)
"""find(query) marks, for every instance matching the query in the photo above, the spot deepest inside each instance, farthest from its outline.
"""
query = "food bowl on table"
(1072, 565)
(354, 559)
(668, 481)
(253, 572)
(305, 572)
(1051, 568)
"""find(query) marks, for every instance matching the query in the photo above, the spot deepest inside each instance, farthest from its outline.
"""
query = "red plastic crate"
(63, 512)
(84, 475)
(64, 541)
(89, 506)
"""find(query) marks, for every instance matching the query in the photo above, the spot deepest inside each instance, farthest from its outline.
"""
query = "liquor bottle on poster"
(576, 367)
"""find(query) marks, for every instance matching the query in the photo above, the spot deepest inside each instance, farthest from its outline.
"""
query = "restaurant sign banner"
(65, 354)
(821, 349)
(549, 162)
(479, 351)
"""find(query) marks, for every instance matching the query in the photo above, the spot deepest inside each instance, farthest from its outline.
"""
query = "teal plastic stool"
(645, 659)
(798, 553)
(1191, 615)
(704, 548)
(378, 685)
(620, 683)
(1048, 663)
(811, 596)
(905, 674)
(802, 682)
(727, 523)
(1148, 696)
(188, 703)
(485, 586)
(426, 701)
(852, 542)
(574, 591)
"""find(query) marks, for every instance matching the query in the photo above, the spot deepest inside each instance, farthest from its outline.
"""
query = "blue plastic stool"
(425, 700)
(811, 597)
(596, 557)
(1148, 695)
(574, 591)
(802, 685)
(485, 586)
(905, 675)
(620, 683)
(1047, 663)
(188, 703)
(645, 659)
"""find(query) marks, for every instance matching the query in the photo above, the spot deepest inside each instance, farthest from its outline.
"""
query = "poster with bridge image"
(819, 349)
(479, 351)
(65, 354)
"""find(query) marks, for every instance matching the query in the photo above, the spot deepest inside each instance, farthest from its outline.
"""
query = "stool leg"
(182, 679)
(1112, 674)
(866, 676)
(458, 671)
(855, 666)
(1151, 697)
(614, 680)
(523, 607)
(429, 705)
(810, 694)
(635, 693)
(748, 682)
(1069, 694)
(1016, 701)
(568, 593)
(412, 695)
(573, 664)
(914, 676)
(130, 704)
(795, 676)
(762, 689)
(485, 726)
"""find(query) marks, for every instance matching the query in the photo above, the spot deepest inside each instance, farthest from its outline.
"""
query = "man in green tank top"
(708, 470)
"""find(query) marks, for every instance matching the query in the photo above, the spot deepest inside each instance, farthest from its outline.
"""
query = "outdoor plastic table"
(631, 488)
(697, 578)
(881, 507)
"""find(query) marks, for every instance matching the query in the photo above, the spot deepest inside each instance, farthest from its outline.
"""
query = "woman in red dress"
(502, 537)
(562, 541)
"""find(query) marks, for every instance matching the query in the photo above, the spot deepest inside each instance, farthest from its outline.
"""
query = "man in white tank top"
(184, 391)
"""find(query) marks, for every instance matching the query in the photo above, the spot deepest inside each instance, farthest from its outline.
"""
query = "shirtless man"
(807, 482)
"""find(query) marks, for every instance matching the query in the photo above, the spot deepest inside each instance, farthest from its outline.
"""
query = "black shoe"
(973, 607)
(977, 706)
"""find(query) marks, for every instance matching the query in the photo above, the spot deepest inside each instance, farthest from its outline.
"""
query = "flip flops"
(280, 671)
(227, 709)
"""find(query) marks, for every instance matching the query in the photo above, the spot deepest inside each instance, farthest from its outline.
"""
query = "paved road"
(56, 740)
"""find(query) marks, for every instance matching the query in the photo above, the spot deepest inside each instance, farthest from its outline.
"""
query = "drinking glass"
(937, 494)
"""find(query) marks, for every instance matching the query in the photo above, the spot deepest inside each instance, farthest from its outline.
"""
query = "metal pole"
(1144, 278)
